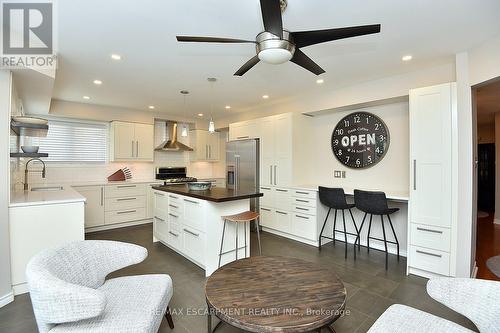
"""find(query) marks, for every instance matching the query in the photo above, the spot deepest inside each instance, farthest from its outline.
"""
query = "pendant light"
(184, 131)
(211, 124)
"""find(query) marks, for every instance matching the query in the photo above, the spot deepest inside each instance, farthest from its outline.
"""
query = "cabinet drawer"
(174, 198)
(430, 260)
(125, 203)
(304, 194)
(125, 190)
(430, 237)
(160, 227)
(175, 208)
(119, 216)
(267, 218)
(304, 226)
(283, 221)
(174, 237)
(268, 198)
(304, 202)
(194, 244)
(174, 217)
(282, 198)
(193, 213)
(304, 209)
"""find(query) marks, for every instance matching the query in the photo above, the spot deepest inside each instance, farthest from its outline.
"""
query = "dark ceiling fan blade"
(306, 38)
(249, 64)
(271, 16)
(304, 61)
(211, 40)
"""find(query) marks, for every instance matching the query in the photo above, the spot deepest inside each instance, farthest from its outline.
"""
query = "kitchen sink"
(47, 188)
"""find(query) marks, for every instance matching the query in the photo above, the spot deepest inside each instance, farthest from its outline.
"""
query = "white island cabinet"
(192, 226)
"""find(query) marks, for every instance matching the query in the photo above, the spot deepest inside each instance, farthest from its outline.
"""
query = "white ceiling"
(155, 67)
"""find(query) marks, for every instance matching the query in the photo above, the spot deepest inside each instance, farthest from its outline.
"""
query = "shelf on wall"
(28, 129)
(29, 155)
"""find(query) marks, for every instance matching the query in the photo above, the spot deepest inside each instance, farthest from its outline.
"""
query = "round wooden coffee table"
(274, 294)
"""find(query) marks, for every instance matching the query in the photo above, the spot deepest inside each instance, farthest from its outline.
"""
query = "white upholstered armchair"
(478, 300)
(69, 292)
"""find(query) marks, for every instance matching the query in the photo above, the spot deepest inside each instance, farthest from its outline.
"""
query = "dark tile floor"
(370, 288)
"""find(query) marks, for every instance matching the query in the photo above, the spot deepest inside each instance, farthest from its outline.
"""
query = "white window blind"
(75, 142)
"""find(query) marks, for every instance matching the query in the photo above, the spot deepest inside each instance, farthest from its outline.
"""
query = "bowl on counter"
(199, 186)
(30, 149)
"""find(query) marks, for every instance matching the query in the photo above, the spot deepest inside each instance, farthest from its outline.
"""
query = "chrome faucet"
(26, 172)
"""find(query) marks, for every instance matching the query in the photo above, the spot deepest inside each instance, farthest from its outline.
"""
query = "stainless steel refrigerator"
(242, 167)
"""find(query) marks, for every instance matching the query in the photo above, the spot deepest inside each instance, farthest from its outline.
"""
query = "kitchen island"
(189, 222)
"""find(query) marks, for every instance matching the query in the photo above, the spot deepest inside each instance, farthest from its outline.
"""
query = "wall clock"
(360, 140)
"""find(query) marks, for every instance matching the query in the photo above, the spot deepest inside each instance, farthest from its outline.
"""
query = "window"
(69, 141)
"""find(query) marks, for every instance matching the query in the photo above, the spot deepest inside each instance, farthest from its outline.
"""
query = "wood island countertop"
(216, 194)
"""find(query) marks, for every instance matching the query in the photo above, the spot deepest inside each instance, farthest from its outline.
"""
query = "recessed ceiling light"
(86, 97)
(151, 107)
(98, 82)
(116, 57)
(407, 58)
(265, 96)
(200, 114)
(320, 81)
(228, 107)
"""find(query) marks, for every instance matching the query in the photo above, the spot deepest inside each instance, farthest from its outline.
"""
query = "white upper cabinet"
(243, 130)
(131, 141)
(205, 145)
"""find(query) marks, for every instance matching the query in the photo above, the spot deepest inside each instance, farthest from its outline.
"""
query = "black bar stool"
(375, 203)
(334, 198)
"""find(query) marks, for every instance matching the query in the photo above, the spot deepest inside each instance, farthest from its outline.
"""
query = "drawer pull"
(173, 215)
(280, 190)
(126, 199)
(126, 186)
(282, 213)
(127, 212)
(242, 137)
(191, 201)
(301, 200)
(429, 230)
(173, 197)
(429, 254)
(192, 233)
(266, 209)
(160, 194)
(173, 234)
(300, 192)
(300, 208)
(173, 206)
(265, 188)
(302, 217)
(156, 217)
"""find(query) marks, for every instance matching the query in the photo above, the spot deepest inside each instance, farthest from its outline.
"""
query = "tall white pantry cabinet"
(432, 229)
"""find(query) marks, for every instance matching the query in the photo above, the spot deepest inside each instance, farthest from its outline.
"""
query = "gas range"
(173, 175)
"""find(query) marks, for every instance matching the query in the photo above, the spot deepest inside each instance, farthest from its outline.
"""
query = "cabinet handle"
(267, 210)
(429, 254)
(132, 148)
(300, 200)
(126, 186)
(302, 217)
(173, 234)
(275, 167)
(173, 215)
(271, 174)
(173, 206)
(127, 212)
(192, 233)
(265, 188)
(300, 192)
(210, 152)
(242, 137)
(102, 196)
(137, 149)
(156, 217)
(191, 201)
(429, 230)
(173, 197)
(206, 151)
(300, 208)
(282, 213)
(126, 199)
(414, 175)
(281, 190)
(160, 194)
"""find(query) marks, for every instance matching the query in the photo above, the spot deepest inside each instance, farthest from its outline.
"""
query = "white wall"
(5, 278)
(486, 133)
(484, 61)
(391, 174)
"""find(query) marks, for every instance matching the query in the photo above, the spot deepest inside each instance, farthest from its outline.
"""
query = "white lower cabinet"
(290, 213)
(94, 205)
(181, 224)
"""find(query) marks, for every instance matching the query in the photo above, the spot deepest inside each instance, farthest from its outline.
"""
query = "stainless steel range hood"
(171, 144)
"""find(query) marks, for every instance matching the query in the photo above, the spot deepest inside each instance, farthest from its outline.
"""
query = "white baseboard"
(6, 299)
(496, 221)
(117, 225)
(21, 288)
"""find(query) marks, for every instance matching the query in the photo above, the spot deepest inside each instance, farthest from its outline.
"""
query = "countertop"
(216, 194)
(36, 198)
(391, 195)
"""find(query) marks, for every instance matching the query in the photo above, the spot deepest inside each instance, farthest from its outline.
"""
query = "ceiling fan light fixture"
(275, 56)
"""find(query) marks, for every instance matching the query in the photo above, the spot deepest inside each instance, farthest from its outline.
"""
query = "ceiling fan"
(276, 46)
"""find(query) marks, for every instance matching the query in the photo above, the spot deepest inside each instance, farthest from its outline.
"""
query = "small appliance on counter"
(173, 175)
(120, 175)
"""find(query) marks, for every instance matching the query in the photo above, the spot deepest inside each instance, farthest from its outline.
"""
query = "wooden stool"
(245, 217)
